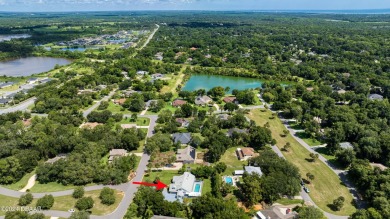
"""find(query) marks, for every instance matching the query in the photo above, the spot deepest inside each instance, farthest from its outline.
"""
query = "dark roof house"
(186, 155)
(183, 138)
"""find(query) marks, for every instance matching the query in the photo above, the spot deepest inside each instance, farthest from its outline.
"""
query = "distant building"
(32, 80)
(346, 145)
(178, 103)
(203, 100)
(183, 138)
(142, 73)
(252, 169)
(223, 116)
(310, 89)
(186, 155)
(120, 101)
(230, 100)
(245, 153)
(237, 130)
(157, 76)
(342, 91)
(44, 81)
(114, 153)
(90, 125)
(182, 122)
(347, 75)
(375, 97)
(7, 84)
(4, 101)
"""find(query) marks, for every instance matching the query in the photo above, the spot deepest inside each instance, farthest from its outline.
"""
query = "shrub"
(46, 202)
(107, 196)
(84, 203)
(78, 192)
(25, 199)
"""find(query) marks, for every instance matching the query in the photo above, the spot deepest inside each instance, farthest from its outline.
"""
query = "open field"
(306, 138)
(51, 187)
(326, 186)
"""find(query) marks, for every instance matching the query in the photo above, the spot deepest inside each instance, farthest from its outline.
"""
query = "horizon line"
(332, 11)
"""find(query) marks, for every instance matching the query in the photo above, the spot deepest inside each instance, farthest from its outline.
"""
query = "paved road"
(20, 107)
(341, 173)
(305, 196)
(94, 106)
(150, 37)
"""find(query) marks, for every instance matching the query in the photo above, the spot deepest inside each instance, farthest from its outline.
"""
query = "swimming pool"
(229, 180)
(197, 187)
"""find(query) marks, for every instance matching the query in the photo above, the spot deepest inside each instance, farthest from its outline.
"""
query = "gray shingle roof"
(184, 138)
(186, 154)
(252, 169)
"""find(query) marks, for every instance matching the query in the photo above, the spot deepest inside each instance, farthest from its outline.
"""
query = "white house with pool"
(185, 185)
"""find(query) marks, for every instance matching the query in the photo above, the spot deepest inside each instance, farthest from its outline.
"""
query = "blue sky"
(107, 5)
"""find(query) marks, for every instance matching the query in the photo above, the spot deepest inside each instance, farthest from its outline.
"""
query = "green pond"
(207, 82)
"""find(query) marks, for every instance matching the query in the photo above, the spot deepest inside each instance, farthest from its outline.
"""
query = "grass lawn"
(306, 138)
(6, 201)
(51, 187)
(230, 159)
(206, 186)
(326, 186)
(140, 121)
(64, 203)
(21, 183)
(165, 176)
(286, 201)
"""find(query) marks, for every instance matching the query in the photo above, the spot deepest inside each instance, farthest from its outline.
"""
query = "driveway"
(23, 106)
(94, 106)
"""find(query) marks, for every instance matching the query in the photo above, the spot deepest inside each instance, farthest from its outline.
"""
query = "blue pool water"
(229, 180)
(197, 188)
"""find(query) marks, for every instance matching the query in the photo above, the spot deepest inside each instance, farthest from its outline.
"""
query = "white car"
(71, 210)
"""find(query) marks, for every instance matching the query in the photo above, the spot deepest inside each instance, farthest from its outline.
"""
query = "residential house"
(252, 170)
(142, 73)
(44, 81)
(223, 116)
(245, 153)
(346, 145)
(159, 56)
(7, 84)
(178, 103)
(230, 100)
(128, 93)
(182, 122)
(157, 76)
(114, 153)
(375, 97)
(150, 103)
(186, 185)
(90, 125)
(120, 101)
(56, 158)
(277, 212)
(342, 91)
(203, 100)
(183, 138)
(237, 130)
(11, 95)
(4, 101)
(310, 89)
(347, 75)
(32, 80)
(186, 155)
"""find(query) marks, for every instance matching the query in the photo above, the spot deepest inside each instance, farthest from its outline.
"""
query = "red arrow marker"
(159, 185)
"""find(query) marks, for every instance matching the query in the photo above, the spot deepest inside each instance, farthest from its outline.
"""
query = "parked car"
(302, 183)
(169, 165)
(307, 190)
(71, 210)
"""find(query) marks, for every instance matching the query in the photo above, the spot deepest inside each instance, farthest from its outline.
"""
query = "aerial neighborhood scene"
(198, 109)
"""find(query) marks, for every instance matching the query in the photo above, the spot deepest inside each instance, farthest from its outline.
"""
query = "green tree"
(134, 117)
(231, 107)
(46, 202)
(310, 212)
(107, 196)
(338, 203)
(251, 189)
(84, 203)
(25, 199)
(78, 192)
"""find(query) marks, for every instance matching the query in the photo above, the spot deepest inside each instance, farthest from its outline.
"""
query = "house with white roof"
(186, 185)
